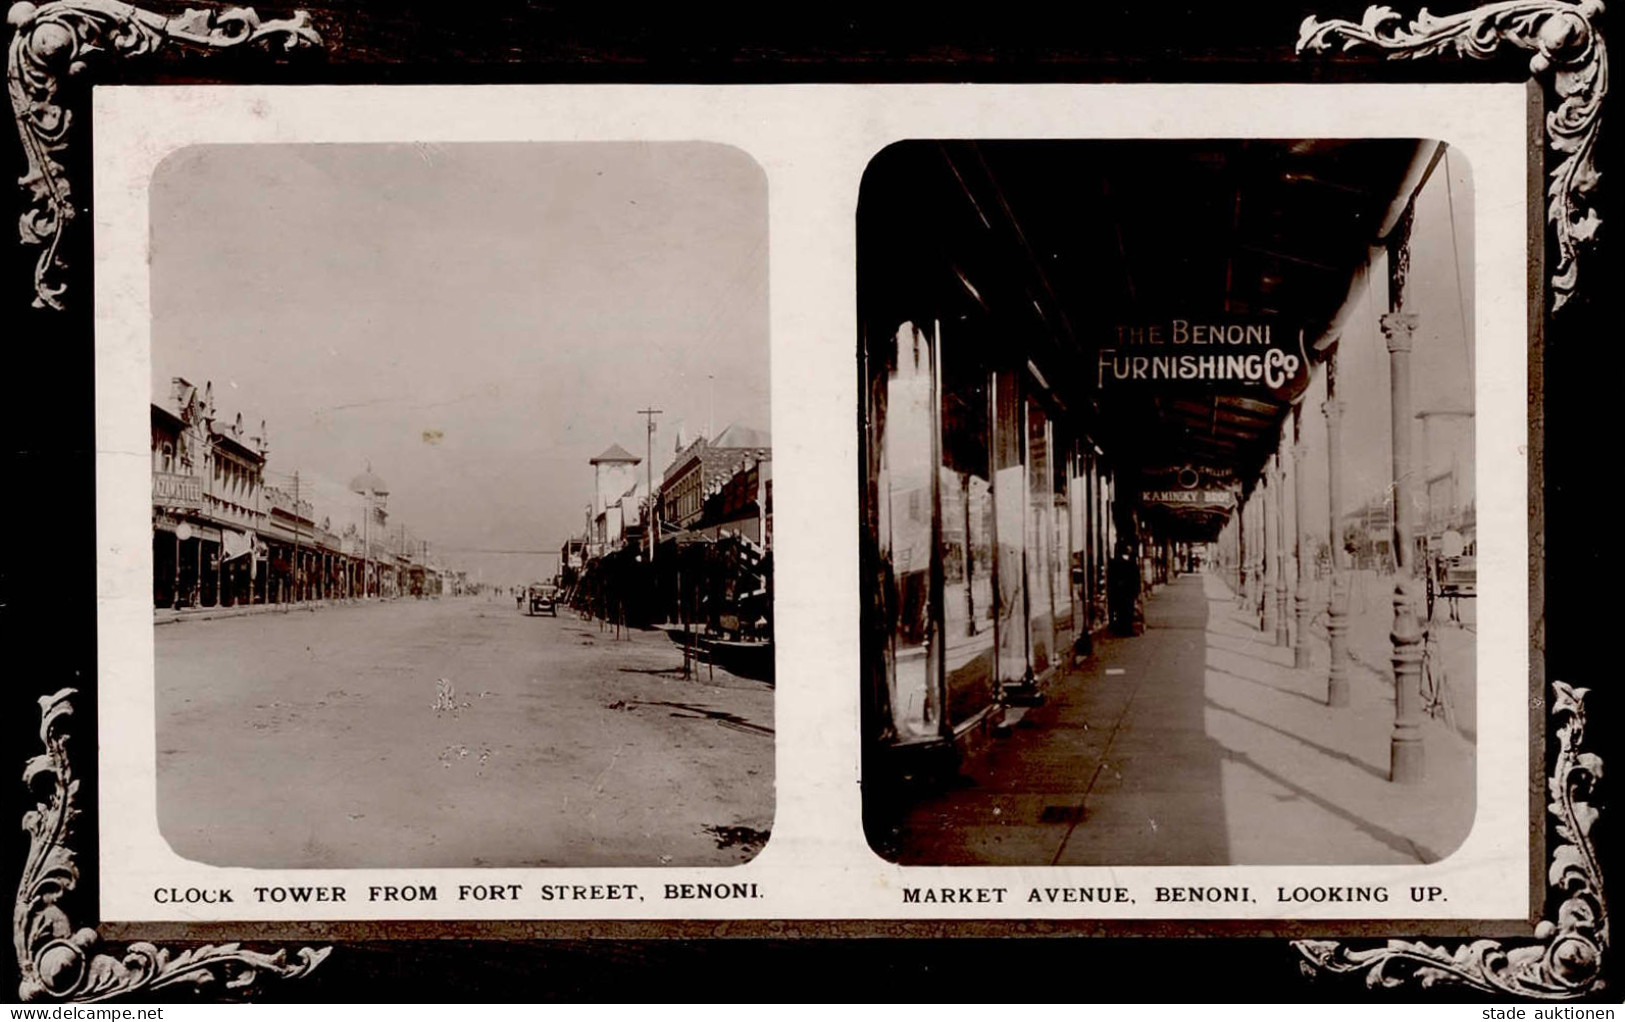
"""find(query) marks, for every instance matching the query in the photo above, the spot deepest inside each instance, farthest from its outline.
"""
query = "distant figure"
(519, 599)
(1123, 591)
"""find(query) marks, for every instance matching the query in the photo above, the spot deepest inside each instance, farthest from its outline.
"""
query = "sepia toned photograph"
(462, 505)
(1168, 543)
(527, 638)
(1190, 509)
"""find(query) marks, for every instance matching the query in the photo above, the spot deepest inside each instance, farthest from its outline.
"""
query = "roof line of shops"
(224, 536)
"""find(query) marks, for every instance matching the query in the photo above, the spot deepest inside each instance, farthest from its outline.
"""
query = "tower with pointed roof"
(614, 472)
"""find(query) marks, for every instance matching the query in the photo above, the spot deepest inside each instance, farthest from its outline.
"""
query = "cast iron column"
(1300, 598)
(1283, 620)
(1240, 551)
(1272, 541)
(1337, 604)
(1407, 760)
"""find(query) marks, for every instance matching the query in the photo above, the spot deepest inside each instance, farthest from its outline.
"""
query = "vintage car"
(542, 598)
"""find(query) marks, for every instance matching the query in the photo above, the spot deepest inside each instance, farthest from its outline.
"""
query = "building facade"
(208, 503)
(700, 469)
(224, 534)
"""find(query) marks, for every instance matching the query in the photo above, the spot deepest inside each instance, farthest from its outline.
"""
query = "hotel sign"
(170, 489)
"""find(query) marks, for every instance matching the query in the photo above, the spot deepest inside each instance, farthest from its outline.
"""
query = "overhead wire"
(1455, 248)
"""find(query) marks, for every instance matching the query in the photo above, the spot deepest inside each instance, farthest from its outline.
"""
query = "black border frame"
(47, 576)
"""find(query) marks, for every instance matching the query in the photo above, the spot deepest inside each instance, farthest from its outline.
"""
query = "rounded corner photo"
(462, 505)
(1169, 536)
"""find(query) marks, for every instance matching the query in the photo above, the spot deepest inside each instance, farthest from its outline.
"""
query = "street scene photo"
(1169, 541)
(462, 505)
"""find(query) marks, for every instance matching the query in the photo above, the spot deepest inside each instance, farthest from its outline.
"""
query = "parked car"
(542, 598)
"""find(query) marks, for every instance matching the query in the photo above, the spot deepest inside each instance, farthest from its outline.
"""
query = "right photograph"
(1168, 541)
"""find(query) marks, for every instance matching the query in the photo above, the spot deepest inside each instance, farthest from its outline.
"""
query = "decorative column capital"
(1397, 329)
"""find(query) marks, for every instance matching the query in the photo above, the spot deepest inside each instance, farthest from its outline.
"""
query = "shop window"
(1061, 537)
(906, 532)
(1040, 608)
(1009, 484)
(967, 534)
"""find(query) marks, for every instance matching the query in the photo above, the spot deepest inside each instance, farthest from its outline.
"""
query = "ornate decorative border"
(58, 962)
(56, 40)
(1567, 47)
(1565, 958)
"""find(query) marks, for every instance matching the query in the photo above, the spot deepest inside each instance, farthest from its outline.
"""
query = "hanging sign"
(1191, 352)
(1190, 498)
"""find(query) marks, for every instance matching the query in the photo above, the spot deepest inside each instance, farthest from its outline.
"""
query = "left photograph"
(462, 505)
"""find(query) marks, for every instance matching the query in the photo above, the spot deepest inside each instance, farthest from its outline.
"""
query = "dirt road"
(456, 732)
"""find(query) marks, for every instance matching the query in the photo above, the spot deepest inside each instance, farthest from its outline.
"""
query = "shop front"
(989, 527)
(186, 562)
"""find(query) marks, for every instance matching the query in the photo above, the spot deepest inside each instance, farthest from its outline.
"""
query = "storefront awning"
(185, 530)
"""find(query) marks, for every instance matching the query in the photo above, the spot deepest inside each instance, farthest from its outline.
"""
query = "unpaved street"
(454, 732)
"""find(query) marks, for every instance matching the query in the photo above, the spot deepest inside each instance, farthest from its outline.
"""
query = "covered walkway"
(1170, 506)
(1196, 743)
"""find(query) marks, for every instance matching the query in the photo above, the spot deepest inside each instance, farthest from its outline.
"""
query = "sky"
(475, 321)
(1442, 359)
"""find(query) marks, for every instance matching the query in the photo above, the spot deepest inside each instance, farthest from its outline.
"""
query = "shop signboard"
(1191, 498)
(1228, 353)
(171, 489)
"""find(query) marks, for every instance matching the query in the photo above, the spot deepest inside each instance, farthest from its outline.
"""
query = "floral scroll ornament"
(1567, 48)
(1565, 958)
(60, 963)
(56, 39)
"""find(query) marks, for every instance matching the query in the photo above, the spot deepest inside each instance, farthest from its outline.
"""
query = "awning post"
(1407, 756)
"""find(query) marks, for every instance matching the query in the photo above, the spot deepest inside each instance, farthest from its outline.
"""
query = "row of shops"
(697, 555)
(1000, 531)
(1064, 407)
(223, 535)
(202, 565)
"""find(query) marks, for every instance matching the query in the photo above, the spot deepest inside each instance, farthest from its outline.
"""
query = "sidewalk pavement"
(1196, 743)
(166, 616)
(1371, 616)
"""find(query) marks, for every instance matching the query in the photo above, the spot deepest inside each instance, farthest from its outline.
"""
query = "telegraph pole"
(366, 543)
(649, 475)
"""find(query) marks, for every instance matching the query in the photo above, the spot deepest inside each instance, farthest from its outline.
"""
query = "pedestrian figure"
(1123, 590)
